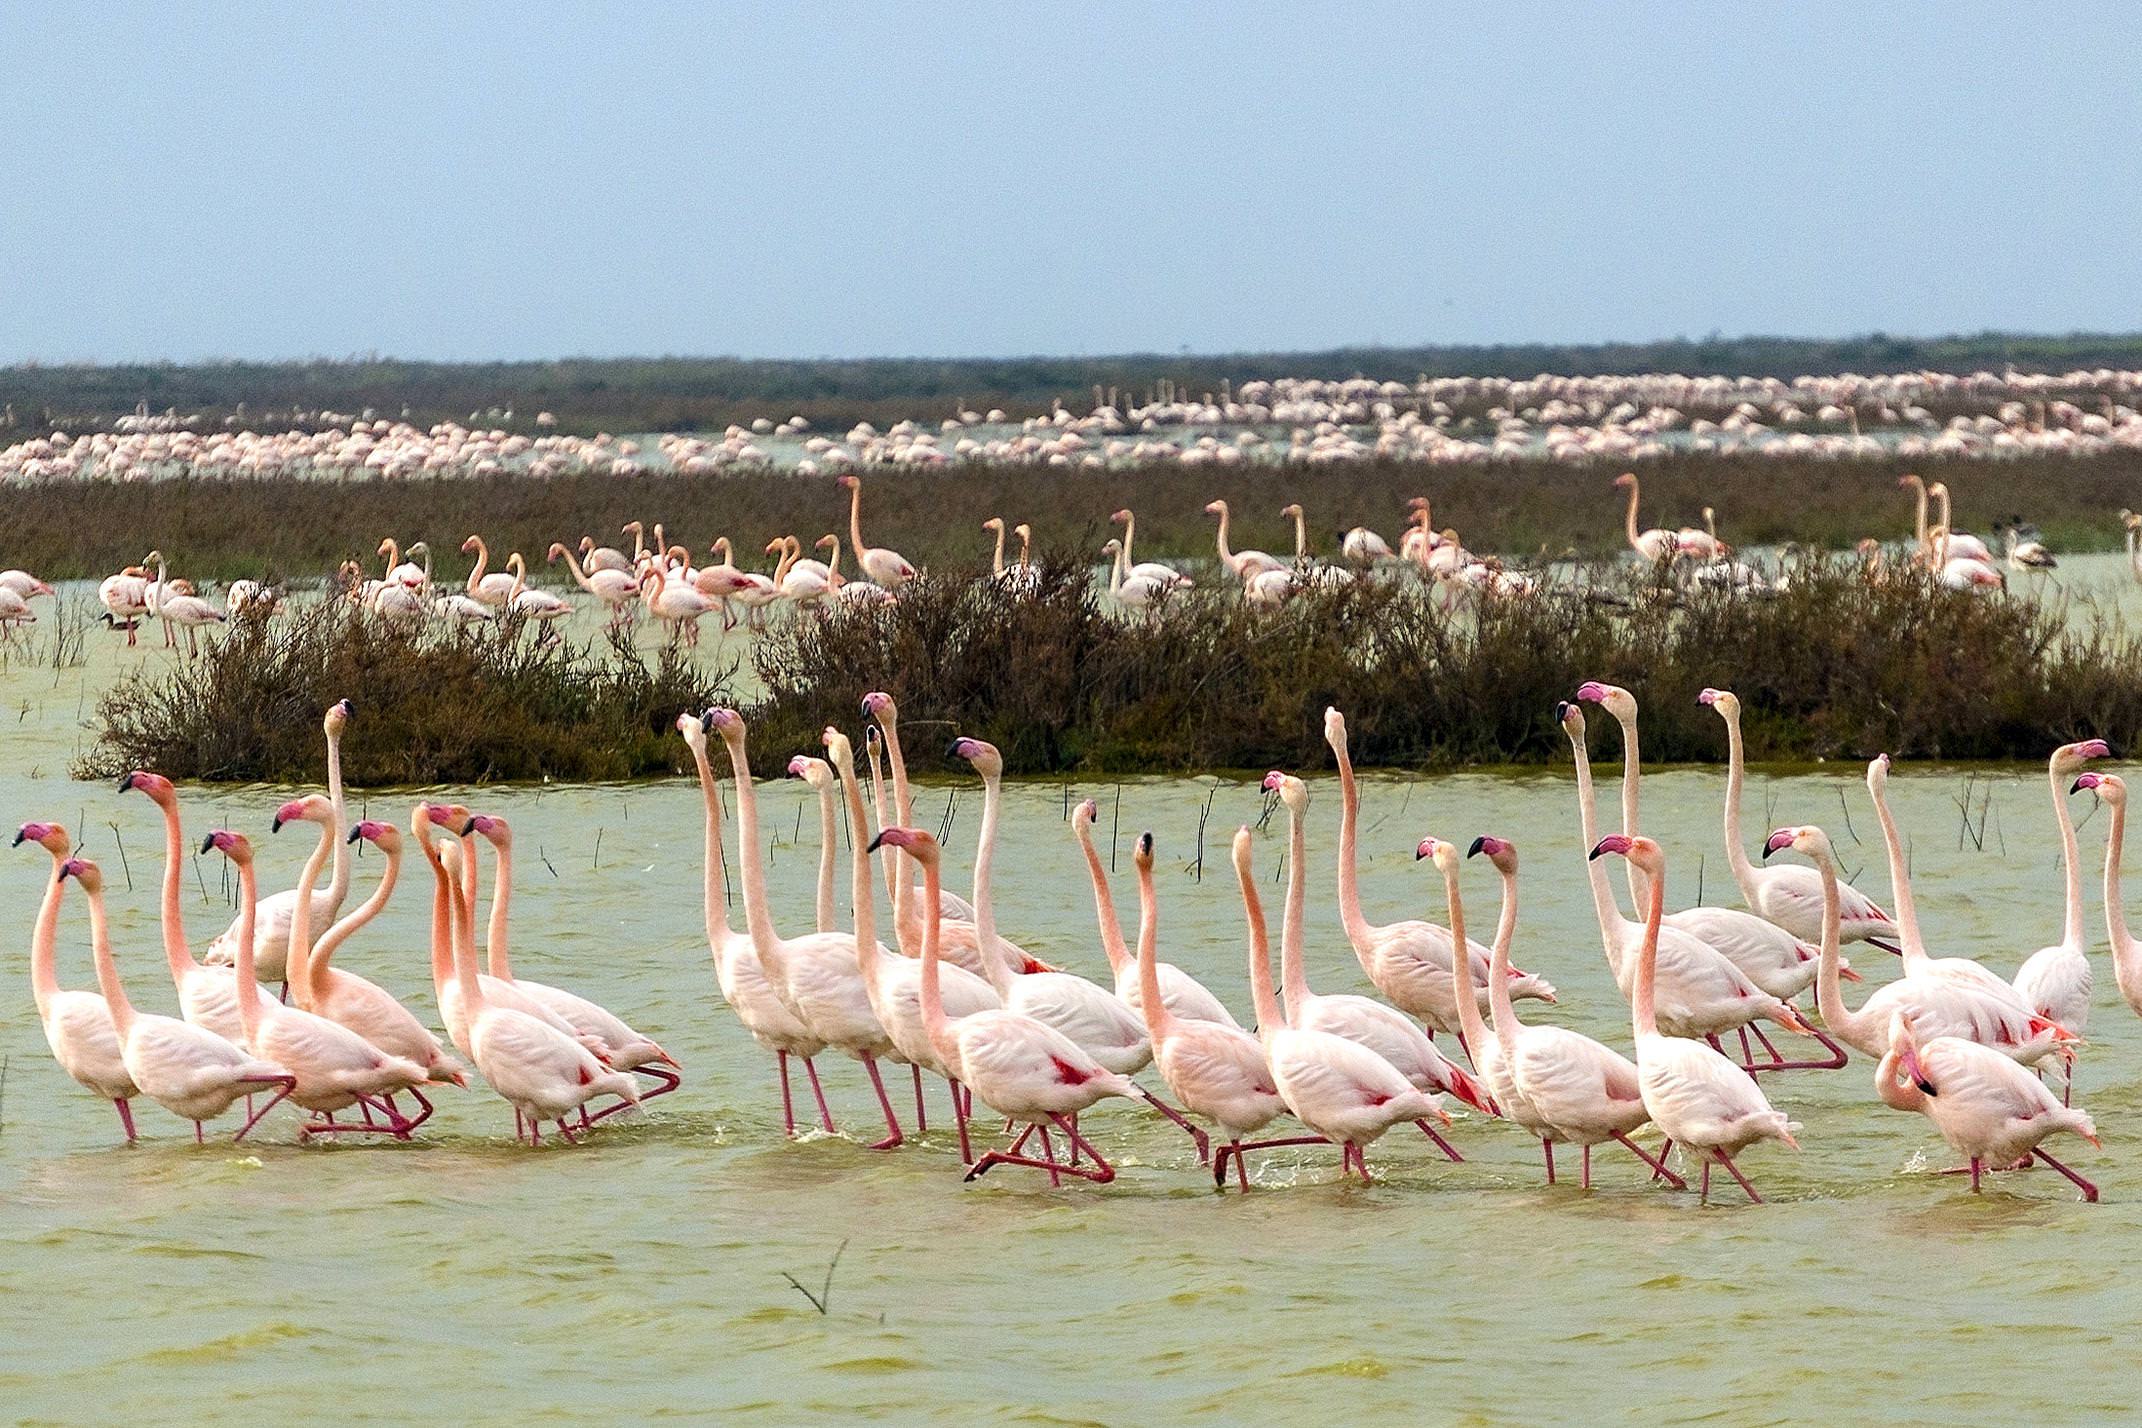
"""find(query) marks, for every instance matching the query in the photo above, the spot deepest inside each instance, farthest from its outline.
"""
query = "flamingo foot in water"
(2089, 1191)
(788, 1100)
(825, 1116)
(126, 1118)
(893, 1137)
(1236, 1149)
(1547, 1150)
(1731, 1169)
(1099, 1171)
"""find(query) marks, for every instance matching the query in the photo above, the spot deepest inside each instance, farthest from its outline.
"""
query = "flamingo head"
(312, 808)
(85, 872)
(839, 749)
(338, 716)
(1570, 717)
(727, 723)
(987, 761)
(1807, 839)
(1904, 1041)
(1084, 815)
(1613, 698)
(1117, 518)
(234, 846)
(917, 843)
(1142, 854)
(1290, 511)
(815, 772)
(848, 482)
(1291, 790)
(1216, 508)
(2070, 757)
(1334, 728)
(1615, 843)
(879, 705)
(1443, 854)
(156, 786)
(693, 728)
(1725, 701)
(494, 829)
(994, 523)
(470, 544)
(1111, 547)
(557, 548)
(1500, 851)
(1625, 479)
(48, 836)
(384, 836)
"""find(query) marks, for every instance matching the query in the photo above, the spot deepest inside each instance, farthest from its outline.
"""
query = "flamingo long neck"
(100, 949)
(996, 565)
(1897, 1094)
(1159, 1021)
(248, 977)
(1829, 987)
(1611, 923)
(1358, 930)
(1948, 513)
(1301, 535)
(1912, 946)
(757, 916)
(1115, 571)
(580, 574)
(299, 970)
(855, 521)
(1632, 772)
(44, 942)
(332, 939)
(1636, 538)
(1227, 557)
(1293, 977)
(1469, 1019)
(1130, 526)
(1104, 903)
(519, 568)
(639, 541)
(2126, 955)
(443, 967)
(176, 952)
(1919, 519)
(2070, 863)
(1270, 1017)
(1499, 1004)
(833, 565)
(483, 558)
(862, 895)
(717, 895)
(985, 859)
(909, 936)
(1736, 775)
(828, 835)
(501, 955)
(461, 937)
(1647, 963)
(903, 892)
(934, 1023)
(338, 883)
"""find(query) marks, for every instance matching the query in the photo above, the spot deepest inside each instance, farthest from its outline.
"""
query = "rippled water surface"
(463, 1278)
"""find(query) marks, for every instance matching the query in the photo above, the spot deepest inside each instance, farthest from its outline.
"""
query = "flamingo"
(1558, 1084)
(125, 600)
(1694, 1094)
(737, 971)
(405, 572)
(1160, 576)
(542, 1072)
(621, 1047)
(888, 568)
(595, 557)
(1701, 543)
(1215, 1069)
(818, 776)
(1989, 1109)
(895, 983)
(1409, 962)
(317, 986)
(1703, 994)
(613, 585)
(1956, 544)
(181, 607)
(1653, 545)
(334, 1066)
(1390, 1033)
(273, 918)
(1241, 563)
(808, 582)
(79, 1026)
(969, 936)
(1787, 894)
(1135, 591)
(853, 592)
(23, 584)
(1775, 960)
(880, 709)
(818, 977)
(1944, 1008)
(495, 589)
(540, 606)
(208, 995)
(2133, 525)
(2055, 981)
(1363, 547)
(2026, 553)
(1307, 570)
(1188, 999)
(1338, 1088)
(677, 605)
(2111, 790)
(187, 1069)
(14, 612)
(1019, 1067)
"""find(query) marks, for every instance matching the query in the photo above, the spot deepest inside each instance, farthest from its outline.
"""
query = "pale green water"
(465, 1279)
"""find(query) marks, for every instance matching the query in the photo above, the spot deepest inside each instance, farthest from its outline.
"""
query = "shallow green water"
(464, 1278)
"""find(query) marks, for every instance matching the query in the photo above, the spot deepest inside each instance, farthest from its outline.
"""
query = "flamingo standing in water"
(1388, 1032)
(1410, 962)
(737, 970)
(1653, 545)
(2055, 981)
(888, 568)
(1186, 997)
(1992, 1111)
(1338, 1088)
(273, 918)
(1242, 564)
(2111, 790)
(188, 1070)
(613, 585)
(125, 598)
(1558, 1084)
(1696, 1095)
(818, 977)
(1217, 1070)
(494, 589)
(1787, 894)
(1019, 1067)
(79, 1026)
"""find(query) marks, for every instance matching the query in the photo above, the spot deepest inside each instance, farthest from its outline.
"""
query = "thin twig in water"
(546, 860)
(3, 1092)
(598, 850)
(944, 825)
(822, 1301)
(1846, 808)
(1114, 823)
(122, 855)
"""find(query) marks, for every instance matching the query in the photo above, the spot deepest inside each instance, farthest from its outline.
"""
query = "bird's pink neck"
(1358, 930)
(348, 927)
(100, 949)
(1104, 903)
(1829, 988)
(1270, 1017)
(176, 952)
(2127, 957)
(1908, 939)
(248, 978)
(1499, 1003)
(1461, 975)
(985, 911)
(44, 942)
(1736, 776)
(1612, 925)
(717, 897)
(299, 970)
(1641, 995)
(757, 916)
(2071, 934)
(1293, 977)
(1159, 1021)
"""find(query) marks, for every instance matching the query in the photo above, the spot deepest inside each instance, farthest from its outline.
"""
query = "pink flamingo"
(886, 568)
(2055, 981)
(2111, 790)
(272, 941)
(1186, 997)
(80, 1027)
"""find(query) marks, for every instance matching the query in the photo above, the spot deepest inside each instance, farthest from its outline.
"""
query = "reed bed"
(217, 529)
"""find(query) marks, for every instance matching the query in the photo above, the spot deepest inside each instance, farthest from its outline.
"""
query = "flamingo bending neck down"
(1019, 1067)
(1695, 1094)
(80, 1027)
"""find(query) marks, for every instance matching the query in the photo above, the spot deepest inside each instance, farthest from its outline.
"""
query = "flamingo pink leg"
(285, 1085)
(788, 1099)
(959, 1117)
(922, 1120)
(1658, 1167)
(567, 1134)
(1586, 1180)
(1048, 1153)
(1450, 1152)
(1198, 1138)
(1547, 1149)
(825, 1117)
(892, 1124)
(1734, 1171)
(126, 1117)
(1236, 1148)
(2089, 1190)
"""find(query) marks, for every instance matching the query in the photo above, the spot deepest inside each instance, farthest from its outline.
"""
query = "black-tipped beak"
(208, 844)
(349, 708)
(18, 841)
(276, 826)
(874, 843)
(2077, 786)
(1145, 844)
(1594, 855)
(354, 836)
(1478, 844)
(466, 829)
(952, 749)
(1561, 710)
(126, 784)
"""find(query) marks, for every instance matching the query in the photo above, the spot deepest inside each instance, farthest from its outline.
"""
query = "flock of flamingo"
(660, 579)
(1042, 1047)
(1441, 421)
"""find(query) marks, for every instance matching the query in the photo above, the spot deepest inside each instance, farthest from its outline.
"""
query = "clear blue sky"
(528, 180)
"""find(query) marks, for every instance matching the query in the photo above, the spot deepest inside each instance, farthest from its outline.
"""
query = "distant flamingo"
(1696, 1096)
(79, 1026)
(187, 1069)
(1160, 576)
(1989, 1109)
(1018, 1067)
(494, 589)
(675, 603)
(125, 600)
(1654, 545)
(743, 981)
(888, 568)
(1242, 564)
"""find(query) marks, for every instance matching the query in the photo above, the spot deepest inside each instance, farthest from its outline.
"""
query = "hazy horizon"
(470, 183)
